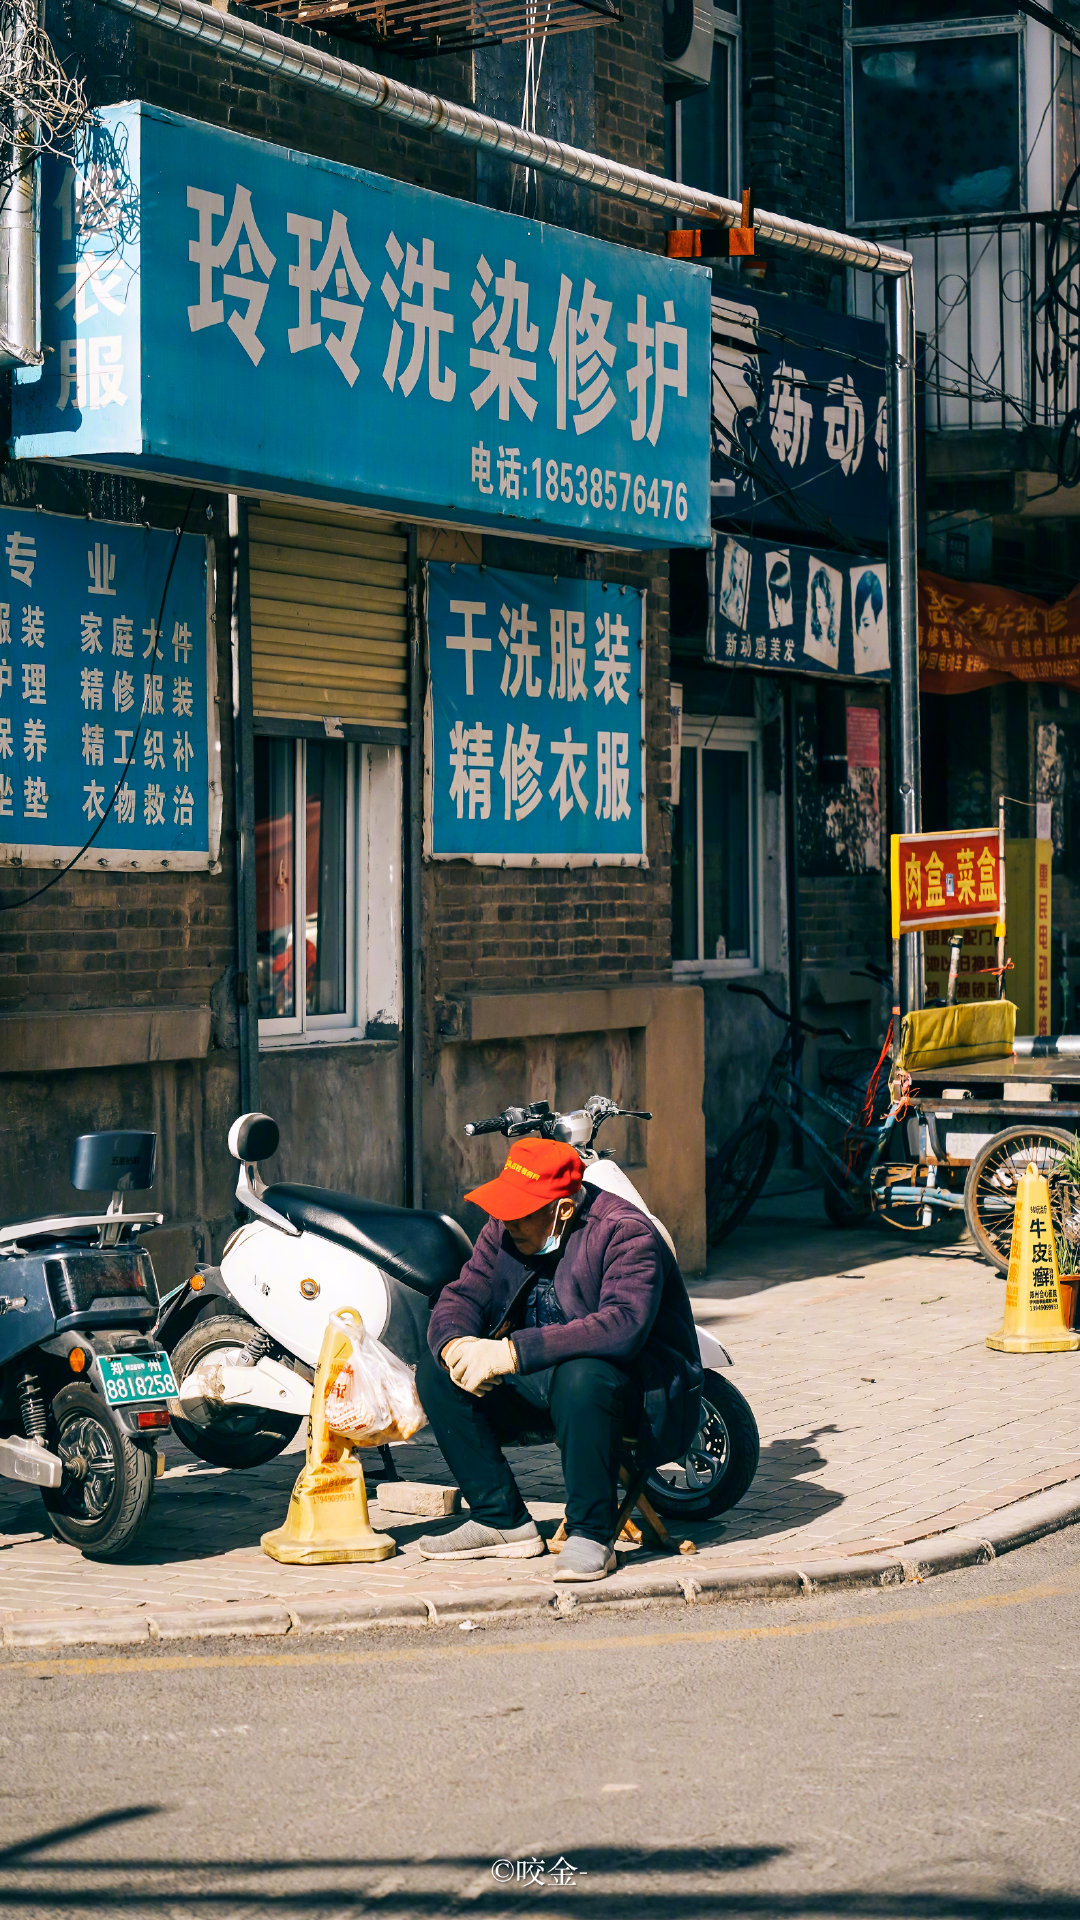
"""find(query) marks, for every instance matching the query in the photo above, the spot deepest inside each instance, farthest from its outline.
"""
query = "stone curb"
(1010, 1527)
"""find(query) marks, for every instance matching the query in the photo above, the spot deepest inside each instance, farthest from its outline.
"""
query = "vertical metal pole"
(413, 919)
(247, 991)
(19, 307)
(1001, 898)
(791, 886)
(903, 598)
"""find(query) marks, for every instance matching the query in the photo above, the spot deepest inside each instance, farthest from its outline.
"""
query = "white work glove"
(449, 1353)
(477, 1364)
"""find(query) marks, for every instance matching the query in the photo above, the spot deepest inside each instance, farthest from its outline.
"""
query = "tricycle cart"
(966, 1109)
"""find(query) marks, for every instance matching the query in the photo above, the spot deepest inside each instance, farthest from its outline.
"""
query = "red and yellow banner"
(974, 636)
(945, 880)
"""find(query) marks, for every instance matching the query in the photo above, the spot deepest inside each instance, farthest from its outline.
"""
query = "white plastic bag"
(373, 1399)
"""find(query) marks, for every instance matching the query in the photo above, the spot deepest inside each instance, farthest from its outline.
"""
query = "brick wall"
(188, 79)
(630, 118)
(793, 128)
(844, 919)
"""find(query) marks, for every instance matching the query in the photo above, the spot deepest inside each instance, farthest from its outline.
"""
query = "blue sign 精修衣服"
(217, 306)
(105, 695)
(535, 719)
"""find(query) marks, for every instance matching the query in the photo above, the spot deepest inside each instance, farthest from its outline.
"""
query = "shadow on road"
(599, 1883)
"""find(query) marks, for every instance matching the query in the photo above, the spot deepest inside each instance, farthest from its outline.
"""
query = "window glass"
(325, 881)
(684, 857)
(275, 904)
(936, 126)
(908, 13)
(725, 855)
(705, 131)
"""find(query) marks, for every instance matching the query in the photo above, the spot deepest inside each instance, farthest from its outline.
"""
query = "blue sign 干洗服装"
(535, 719)
(222, 307)
(105, 698)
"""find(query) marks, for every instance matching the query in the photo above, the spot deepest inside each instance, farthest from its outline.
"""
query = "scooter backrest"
(113, 1162)
(254, 1137)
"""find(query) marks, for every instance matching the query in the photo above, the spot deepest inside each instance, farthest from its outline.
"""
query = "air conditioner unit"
(689, 30)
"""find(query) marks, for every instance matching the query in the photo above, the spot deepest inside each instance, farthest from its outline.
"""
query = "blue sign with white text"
(800, 425)
(217, 306)
(536, 749)
(104, 701)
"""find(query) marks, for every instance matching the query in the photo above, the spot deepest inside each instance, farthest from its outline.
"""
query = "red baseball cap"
(536, 1172)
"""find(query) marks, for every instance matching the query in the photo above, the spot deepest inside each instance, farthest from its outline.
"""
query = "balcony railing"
(418, 27)
(998, 299)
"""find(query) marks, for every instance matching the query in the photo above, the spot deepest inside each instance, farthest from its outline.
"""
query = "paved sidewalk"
(885, 1420)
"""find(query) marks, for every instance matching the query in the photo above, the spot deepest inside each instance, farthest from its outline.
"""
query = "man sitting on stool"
(572, 1302)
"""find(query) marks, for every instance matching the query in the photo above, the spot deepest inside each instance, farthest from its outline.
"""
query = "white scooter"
(244, 1337)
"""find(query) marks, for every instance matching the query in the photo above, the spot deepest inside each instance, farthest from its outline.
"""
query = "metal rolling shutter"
(328, 617)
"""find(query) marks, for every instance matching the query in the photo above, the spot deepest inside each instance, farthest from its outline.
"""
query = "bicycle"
(874, 1171)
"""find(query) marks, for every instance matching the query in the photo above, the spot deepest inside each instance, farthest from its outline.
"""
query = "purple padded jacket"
(624, 1300)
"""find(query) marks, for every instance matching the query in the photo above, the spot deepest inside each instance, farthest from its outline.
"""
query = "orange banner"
(974, 636)
(945, 880)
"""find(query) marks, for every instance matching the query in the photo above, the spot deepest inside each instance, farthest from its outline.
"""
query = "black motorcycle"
(83, 1386)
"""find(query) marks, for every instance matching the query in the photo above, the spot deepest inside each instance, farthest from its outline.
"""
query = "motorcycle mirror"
(254, 1137)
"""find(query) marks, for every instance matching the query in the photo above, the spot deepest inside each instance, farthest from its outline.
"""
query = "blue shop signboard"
(799, 423)
(107, 721)
(806, 609)
(535, 719)
(217, 306)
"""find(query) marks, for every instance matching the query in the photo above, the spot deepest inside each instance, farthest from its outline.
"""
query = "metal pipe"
(247, 985)
(904, 599)
(255, 46)
(413, 840)
(20, 344)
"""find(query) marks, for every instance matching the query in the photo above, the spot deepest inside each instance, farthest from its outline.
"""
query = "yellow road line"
(594, 1643)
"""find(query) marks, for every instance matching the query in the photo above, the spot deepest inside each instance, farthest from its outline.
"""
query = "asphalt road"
(909, 1754)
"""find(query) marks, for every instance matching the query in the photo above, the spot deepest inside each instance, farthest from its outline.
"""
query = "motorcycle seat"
(422, 1250)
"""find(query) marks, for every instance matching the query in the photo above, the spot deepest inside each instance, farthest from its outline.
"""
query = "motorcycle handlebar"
(517, 1120)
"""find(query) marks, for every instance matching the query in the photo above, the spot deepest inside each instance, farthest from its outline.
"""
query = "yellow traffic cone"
(1034, 1320)
(328, 1511)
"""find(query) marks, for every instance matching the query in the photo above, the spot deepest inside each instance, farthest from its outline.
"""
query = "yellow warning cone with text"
(1034, 1321)
(328, 1512)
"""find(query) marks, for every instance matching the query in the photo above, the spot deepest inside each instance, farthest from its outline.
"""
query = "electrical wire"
(13, 906)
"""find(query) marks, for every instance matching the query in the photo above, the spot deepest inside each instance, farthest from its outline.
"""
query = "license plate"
(129, 1378)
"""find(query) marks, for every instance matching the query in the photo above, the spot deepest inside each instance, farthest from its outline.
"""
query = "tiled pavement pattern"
(883, 1415)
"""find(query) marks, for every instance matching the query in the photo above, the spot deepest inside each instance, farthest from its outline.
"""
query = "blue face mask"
(554, 1240)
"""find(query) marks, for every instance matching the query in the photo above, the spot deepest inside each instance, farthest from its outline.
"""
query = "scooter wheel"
(227, 1436)
(103, 1498)
(719, 1465)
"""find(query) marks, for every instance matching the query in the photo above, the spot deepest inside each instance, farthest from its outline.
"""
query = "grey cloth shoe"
(474, 1541)
(582, 1559)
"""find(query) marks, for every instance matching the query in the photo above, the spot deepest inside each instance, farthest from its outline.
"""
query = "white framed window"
(703, 124)
(935, 111)
(327, 888)
(716, 849)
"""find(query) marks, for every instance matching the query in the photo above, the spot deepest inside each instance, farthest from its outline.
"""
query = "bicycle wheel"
(990, 1189)
(735, 1177)
(845, 1206)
